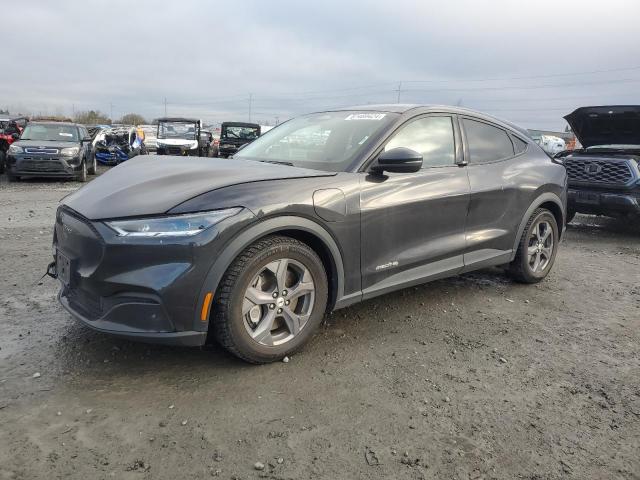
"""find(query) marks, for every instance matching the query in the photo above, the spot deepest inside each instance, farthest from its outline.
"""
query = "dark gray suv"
(52, 149)
(323, 211)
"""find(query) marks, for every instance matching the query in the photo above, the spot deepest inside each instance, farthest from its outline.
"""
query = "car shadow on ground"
(81, 351)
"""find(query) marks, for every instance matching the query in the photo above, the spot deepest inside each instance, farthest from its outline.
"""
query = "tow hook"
(51, 271)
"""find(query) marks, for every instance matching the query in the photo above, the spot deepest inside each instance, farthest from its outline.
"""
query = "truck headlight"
(70, 151)
(15, 149)
(175, 226)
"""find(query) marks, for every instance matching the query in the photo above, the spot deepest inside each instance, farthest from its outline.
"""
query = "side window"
(431, 136)
(486, 142)
(519, 145)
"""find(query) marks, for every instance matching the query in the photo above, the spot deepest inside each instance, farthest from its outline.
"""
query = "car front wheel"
(82, 176)
(537, 248)
(271, 300)
(94, 165)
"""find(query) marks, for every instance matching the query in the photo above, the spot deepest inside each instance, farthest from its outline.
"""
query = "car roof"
(406, 107)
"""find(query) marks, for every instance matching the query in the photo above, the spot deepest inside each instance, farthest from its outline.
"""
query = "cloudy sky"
(528, 62)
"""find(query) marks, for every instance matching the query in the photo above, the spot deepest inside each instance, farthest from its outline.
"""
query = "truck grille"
(598, 172)
(174, 150)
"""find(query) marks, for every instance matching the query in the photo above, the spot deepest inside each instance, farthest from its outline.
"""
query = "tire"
(254, 271)
(523, 267)
(12, 178)
(82, 176)
(92, 170)
(3, 157)
(570, 215)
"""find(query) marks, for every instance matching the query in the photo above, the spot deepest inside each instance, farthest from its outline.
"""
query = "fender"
(543, 198)
(255, 232)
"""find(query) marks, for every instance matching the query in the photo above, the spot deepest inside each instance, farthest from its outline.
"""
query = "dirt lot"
(471, 377)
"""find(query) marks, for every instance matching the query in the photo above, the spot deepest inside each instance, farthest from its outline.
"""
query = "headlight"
(15, 149)
(176, 226)
(70, 151)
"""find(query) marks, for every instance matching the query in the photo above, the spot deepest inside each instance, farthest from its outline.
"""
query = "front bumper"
(600, 202)
(178, 150)
(118, 321)
(26, 165)
(145, 289)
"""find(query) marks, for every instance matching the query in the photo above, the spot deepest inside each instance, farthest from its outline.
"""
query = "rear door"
(494, 210)
(413, 223)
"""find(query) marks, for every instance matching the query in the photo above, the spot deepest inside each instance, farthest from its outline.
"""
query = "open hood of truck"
(606, 125)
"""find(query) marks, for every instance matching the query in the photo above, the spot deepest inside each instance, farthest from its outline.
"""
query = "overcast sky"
(528, 62)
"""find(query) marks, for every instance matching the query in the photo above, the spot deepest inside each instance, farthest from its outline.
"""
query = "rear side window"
(519, 145)
(486, 142)
(430, 136)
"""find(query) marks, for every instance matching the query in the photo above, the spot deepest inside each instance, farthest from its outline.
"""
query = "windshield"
(50, 133)
(244, 133)
(322, 141)
(186, 131)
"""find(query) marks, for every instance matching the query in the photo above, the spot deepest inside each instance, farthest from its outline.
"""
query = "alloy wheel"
(278, 302)
(540, 246)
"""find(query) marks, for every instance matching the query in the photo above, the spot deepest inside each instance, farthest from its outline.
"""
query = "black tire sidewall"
(82, 176)
(94, 165)
(524, 243)
(239, 335)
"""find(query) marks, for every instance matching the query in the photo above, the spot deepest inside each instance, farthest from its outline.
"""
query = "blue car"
(116, 145)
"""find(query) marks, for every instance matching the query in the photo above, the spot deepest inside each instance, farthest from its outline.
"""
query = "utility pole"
(111, 112)
(250, 101)
(165, 106)
(73, 109)
(399, 90)
(277, 121)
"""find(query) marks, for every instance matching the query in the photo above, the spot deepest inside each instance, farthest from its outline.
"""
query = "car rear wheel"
(271, 300)
(537, 248)
(2, 161)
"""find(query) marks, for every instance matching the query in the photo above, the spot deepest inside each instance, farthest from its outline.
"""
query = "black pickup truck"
(234, 135)
(604, 178)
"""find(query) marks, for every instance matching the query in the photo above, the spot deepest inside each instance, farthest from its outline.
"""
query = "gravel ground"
(470, 377)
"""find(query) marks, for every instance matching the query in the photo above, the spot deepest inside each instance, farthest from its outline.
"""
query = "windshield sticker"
(365, 116)
(63, 134)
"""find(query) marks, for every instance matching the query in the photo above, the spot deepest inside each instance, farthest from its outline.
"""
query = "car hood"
(45, 144)
(151, 185)
(606, 125)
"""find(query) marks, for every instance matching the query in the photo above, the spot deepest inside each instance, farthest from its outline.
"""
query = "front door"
(413, 224)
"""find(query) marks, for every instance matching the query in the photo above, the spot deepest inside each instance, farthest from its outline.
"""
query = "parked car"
(326, 210)
(116, 145)
(51, 149)
(551, 144)
(604, 178)
(180, 136)
(10, 130)
(234, 135)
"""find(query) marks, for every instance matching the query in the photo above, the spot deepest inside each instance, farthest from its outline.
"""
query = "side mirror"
(398, 160)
